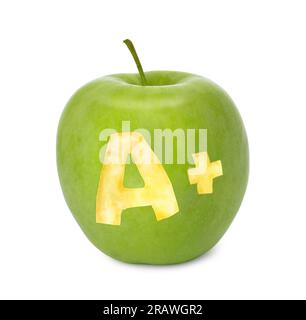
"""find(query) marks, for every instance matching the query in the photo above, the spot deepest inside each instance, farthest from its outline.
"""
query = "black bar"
(152, 309)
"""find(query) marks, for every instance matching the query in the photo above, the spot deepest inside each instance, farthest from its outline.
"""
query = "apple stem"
(132, 49)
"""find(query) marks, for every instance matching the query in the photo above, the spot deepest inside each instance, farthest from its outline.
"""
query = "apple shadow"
(206, 256)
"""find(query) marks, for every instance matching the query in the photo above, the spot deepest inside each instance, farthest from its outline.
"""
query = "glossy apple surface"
(169, 100)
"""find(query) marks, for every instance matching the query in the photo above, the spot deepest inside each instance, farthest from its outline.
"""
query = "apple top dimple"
(154, 78)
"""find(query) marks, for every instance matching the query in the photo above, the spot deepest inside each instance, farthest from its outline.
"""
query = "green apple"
(203, 203)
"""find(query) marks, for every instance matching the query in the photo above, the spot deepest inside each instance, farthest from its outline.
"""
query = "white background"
(256, 50)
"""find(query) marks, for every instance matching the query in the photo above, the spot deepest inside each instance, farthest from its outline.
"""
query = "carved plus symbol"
(204, 172)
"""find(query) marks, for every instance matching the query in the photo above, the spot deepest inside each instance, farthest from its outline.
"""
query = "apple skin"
(170, 100)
